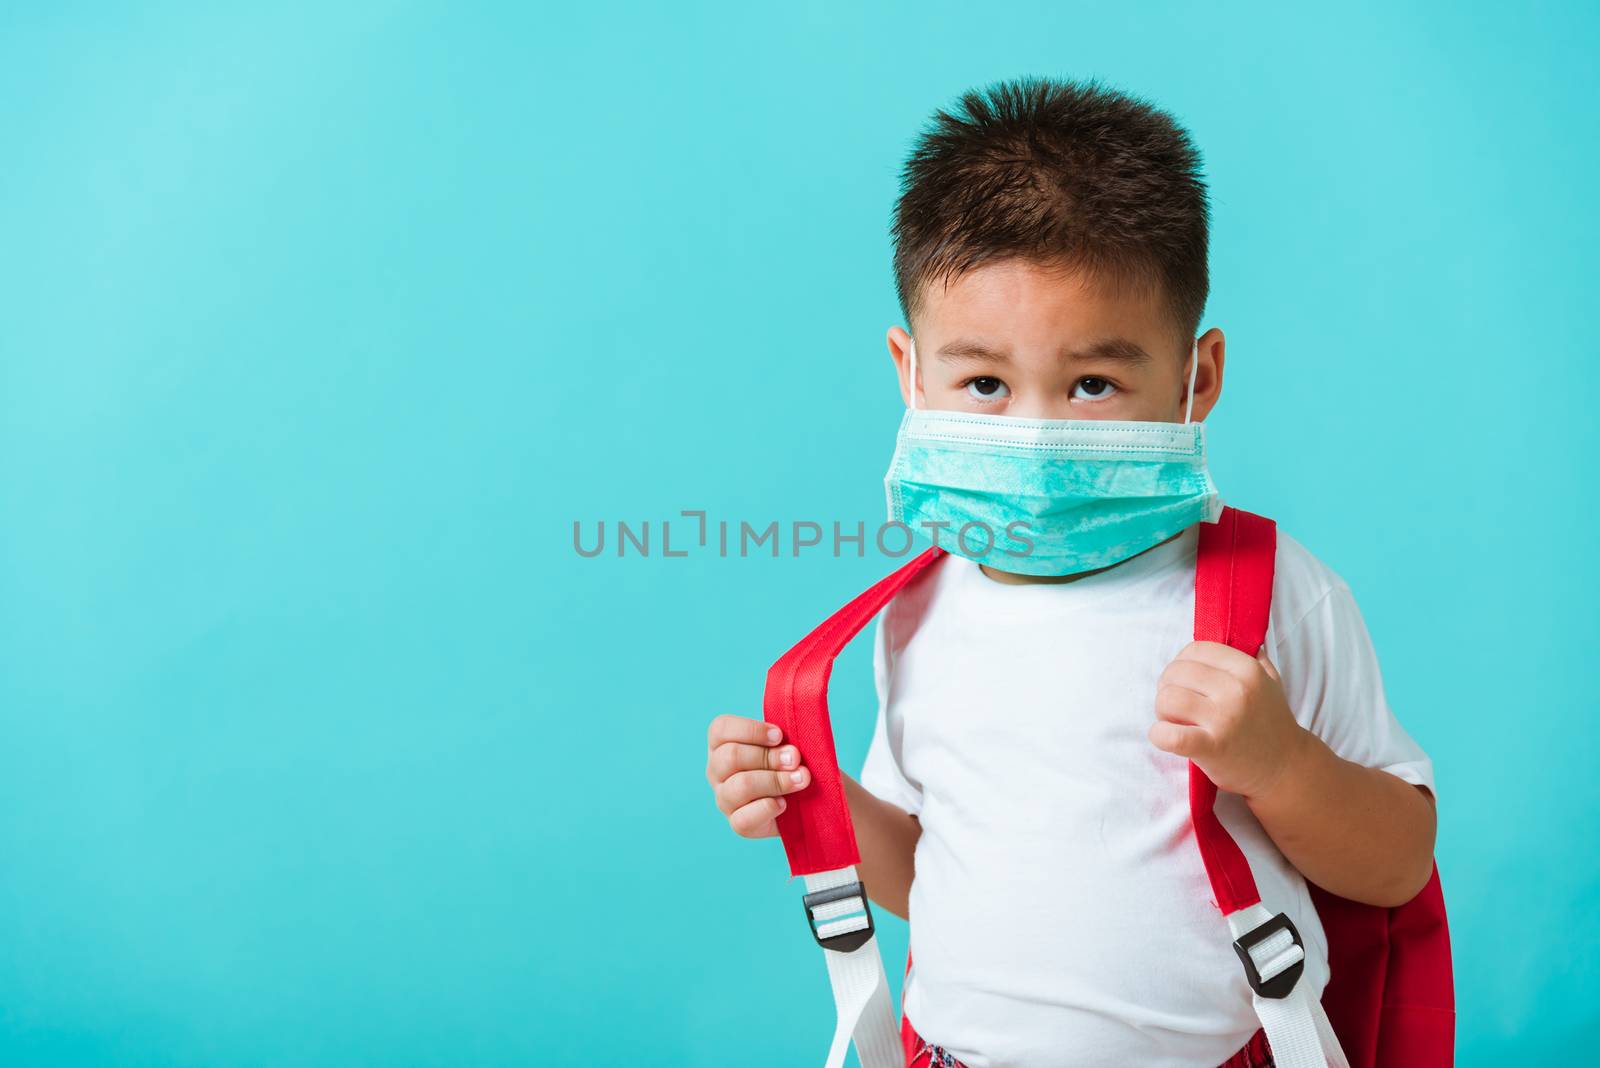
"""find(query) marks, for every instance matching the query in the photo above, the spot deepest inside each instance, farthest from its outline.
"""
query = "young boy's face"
(1022, 339)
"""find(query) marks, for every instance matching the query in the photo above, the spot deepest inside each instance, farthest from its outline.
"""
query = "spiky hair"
(1063, 173)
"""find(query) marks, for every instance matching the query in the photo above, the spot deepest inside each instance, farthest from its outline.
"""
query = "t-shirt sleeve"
(883, 771)
(1331, 678)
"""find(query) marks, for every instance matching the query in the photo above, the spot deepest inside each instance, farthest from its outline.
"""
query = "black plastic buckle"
(847, 940)
(1281, 984)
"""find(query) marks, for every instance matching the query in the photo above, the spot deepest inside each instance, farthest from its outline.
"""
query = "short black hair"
(1066, 173)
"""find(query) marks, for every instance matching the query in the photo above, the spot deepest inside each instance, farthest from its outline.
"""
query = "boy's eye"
(986, 388)
(1092, 389)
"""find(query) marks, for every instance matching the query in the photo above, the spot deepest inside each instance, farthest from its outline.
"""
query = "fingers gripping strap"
(1232, 600)
(816, 829)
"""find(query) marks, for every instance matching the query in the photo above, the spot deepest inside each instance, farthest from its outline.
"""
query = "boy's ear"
(1211, 349)
(900, 351)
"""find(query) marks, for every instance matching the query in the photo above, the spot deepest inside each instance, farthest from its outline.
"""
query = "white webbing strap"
(1297, 1027)
(860, 987)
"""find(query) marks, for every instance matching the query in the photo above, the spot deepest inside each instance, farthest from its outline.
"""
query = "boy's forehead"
(1017, 303)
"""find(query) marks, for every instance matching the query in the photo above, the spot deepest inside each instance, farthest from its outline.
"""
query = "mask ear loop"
(1194, 366)
(912, 388)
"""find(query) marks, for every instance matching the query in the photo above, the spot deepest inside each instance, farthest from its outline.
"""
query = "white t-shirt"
(1060, 914)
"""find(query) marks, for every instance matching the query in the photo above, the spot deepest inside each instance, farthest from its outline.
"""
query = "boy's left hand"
(1225, 710)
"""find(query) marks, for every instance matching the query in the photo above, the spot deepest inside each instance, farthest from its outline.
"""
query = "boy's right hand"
(749, 771)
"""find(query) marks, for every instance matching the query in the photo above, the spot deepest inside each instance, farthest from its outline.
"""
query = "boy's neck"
(1011, 578)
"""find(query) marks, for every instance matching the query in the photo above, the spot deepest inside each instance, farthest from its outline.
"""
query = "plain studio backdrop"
(322, 325)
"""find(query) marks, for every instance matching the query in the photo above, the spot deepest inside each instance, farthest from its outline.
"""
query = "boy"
(1029, 762)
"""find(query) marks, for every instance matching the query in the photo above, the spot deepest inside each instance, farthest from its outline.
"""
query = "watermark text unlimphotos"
(694, 533)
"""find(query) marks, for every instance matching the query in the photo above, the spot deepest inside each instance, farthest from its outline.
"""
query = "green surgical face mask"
(1048, 496)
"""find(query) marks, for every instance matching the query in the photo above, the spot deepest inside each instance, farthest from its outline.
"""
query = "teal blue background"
(319, 745)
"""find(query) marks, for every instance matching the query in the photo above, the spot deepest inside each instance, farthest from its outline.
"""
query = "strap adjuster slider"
(843, 927)
(1280, 984)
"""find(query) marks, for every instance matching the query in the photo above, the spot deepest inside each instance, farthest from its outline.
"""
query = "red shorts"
(919, 1054)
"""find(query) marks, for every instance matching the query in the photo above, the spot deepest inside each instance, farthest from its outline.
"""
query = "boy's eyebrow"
(1115, 349)
(965, 349)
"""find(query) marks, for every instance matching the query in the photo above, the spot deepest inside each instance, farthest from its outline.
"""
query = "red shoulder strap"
(1232, 600)
(1233, 594)
(816, 828)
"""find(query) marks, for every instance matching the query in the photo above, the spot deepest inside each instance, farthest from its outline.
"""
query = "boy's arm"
(886, 836)
(1358, 832)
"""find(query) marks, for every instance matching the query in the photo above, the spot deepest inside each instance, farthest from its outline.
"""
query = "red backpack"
(1389, 1002)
